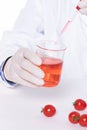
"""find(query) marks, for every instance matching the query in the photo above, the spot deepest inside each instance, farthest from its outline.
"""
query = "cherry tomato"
(79, 104)
(74, 117)
(83, 120)
(49, 110)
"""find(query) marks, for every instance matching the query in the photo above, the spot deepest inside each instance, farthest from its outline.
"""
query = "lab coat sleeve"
(25, 32)
(76, 41)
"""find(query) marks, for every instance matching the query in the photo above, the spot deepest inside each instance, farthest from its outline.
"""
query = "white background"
(9, 11)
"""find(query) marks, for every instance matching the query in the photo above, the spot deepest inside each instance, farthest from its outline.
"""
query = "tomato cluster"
(75, 117)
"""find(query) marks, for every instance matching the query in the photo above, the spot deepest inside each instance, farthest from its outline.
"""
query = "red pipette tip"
(77, 7)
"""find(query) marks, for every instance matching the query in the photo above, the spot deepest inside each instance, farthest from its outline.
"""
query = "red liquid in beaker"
(52, 68)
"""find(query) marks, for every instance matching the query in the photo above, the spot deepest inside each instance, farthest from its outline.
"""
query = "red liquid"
(52, 68)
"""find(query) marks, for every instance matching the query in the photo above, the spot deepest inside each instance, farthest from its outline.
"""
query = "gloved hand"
(82, 6)
(22, 68)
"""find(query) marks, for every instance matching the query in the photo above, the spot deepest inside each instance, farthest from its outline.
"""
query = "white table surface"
(20, 107)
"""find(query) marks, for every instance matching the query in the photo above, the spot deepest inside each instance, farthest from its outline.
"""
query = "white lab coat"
(49, 16)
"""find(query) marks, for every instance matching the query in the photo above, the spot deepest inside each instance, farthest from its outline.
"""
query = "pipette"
(75, 12)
